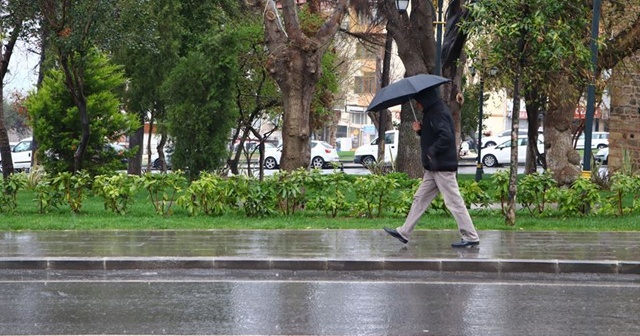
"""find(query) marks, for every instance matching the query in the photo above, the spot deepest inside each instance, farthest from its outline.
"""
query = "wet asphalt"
(318, 282)
(277, 302)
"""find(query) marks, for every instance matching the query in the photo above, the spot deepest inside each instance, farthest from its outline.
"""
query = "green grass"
(141, 216)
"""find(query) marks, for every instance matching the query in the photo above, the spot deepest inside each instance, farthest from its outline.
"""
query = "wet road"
(316, 303)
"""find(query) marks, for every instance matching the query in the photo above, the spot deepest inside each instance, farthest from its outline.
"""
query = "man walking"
(440, 160)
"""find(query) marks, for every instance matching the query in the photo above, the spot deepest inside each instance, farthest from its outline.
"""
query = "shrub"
(117, 191)
(163, 190)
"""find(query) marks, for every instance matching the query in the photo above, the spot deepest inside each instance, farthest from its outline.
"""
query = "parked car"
(501, 137)
(501, 154)
(602, 155)
(322, 155)
(157, 163)
(21, 155)
(598, 140)
(367, 154)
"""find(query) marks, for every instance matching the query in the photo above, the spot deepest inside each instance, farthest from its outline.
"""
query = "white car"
(501, 154)
(322, 155)
(367, 154)
(501, 137)
(21, 155)
(599, 140)
(602, 155)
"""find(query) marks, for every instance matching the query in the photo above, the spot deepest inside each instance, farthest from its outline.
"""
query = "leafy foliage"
(553, 44)
(117, 191)
(201, 112)
(10, 187)
(579, 199)
(57, 120)
(330, 196)
(534, 189)
(163, 190)
(207, 195)
(73, 187)
(500, 182)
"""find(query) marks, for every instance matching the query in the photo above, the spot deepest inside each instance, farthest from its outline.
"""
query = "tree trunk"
(295, 127)
(74, 83)
(452, 56)
(415, 38)
(78, 156)
(5, 57)
(562, 159)
(452, 95)
(382, 119)
(510, 216)
(5, 148)
(409, 151)
(136, 139)
(160, 150)
(534, 103)
(295, 64)
(152, 120)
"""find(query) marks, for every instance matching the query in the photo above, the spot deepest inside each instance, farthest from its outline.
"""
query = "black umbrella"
(403, 90)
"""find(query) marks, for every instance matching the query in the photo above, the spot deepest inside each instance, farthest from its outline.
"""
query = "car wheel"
(270, 163)
(489, 160)
(490, 144)
(601, 146)
(368, 160)
(157, 164)
(317, 162)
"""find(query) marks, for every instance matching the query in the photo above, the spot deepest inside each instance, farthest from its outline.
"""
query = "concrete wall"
(624, 127)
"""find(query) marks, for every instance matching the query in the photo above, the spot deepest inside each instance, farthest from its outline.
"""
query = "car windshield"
(324, 144)
(22, 146)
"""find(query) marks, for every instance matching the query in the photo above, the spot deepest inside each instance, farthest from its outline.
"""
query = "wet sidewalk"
(344, 250)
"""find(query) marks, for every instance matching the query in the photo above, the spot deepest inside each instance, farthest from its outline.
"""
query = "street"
(358, 169)
(276, 302)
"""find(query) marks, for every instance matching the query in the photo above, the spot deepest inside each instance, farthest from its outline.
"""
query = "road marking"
(535, 283)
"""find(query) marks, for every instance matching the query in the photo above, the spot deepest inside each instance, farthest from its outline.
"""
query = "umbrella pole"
(414, 112)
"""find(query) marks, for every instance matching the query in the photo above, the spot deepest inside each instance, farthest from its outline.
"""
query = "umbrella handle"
(414, 111)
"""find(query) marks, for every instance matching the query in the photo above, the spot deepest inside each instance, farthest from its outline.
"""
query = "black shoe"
(397, 235)
(465, 243)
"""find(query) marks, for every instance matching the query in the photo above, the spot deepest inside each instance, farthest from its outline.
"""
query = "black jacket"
(437, 137)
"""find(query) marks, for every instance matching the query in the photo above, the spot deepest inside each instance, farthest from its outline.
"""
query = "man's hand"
(416, 125)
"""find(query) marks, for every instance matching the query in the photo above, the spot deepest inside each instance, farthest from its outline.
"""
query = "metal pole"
(479, 170)
(591, 92)
(439, 40)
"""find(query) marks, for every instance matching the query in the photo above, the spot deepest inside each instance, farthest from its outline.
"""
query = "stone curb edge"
(324, 264)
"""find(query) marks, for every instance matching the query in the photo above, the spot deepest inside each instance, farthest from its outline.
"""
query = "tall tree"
(149, 48)
(255, 93)
(56, 117)
(77, 27)
(295, 63)
(556, 58)
(17, 17)
(414, 35)
(201, 109)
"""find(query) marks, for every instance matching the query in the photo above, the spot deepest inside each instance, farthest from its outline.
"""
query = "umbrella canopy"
(403, 90)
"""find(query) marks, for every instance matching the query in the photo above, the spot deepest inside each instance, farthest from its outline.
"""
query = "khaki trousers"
(447, 184)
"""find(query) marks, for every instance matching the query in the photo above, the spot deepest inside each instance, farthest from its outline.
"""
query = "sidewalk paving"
(344, 250)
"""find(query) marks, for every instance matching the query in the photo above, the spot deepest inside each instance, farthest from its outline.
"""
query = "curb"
(229, 263)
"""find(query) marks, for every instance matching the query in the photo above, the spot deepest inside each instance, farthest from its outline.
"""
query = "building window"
(342, 131)
(365, 84)
(364, 51)
(359, 118)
